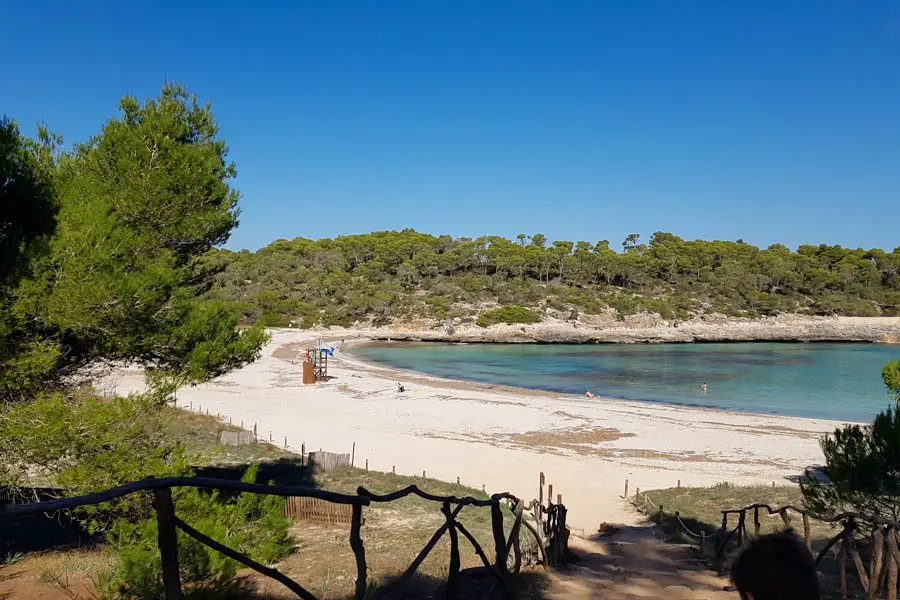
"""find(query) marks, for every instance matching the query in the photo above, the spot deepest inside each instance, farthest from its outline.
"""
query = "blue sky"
(768, 121)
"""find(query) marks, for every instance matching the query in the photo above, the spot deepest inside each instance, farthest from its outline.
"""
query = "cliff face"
(784, 328)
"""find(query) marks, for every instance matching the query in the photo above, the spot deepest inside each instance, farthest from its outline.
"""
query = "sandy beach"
(501, 438)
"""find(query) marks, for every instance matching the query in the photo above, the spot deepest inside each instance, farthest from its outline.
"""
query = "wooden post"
(661, 515)
(515, 534)
(255, 438)
(755, 521)
(559, 498)
(892, 565)
(784, 517)
(626, 489)
(457, 480)
(845, 551)
(875, 569)
(359, 551)
(679, 484)
(367, 465)
(192, 405)
(168, 542)
(423, 473)
(549, 494)
(499, 541)
(541, 490)
(637, 492)
(453, 572)
(270, 436)
(285, 441)
(806, 536)
(353, 455)
(302, 454)
(242, 423)
(677, 522)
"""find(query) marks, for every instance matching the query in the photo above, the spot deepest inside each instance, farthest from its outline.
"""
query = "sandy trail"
(500, 437)
(634, 564)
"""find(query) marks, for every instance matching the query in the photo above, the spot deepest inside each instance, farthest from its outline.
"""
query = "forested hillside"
(391, 276)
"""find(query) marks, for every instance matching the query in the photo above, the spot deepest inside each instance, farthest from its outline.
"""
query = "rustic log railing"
(550, 534)
(878, 579)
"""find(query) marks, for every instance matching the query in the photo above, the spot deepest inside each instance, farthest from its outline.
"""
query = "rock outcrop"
(710, 328)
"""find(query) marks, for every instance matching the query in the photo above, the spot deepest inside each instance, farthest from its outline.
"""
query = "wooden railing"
(549, 529)
(882, 534)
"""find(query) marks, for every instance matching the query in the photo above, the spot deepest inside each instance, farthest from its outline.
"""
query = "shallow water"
(829, 381)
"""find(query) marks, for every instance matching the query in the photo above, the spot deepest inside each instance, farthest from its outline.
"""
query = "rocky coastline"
(710, 328)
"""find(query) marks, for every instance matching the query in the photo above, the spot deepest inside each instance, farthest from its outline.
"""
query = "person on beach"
(588, 394)
(777, 566)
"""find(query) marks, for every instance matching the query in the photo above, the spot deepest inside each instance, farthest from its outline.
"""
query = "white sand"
(463, 430)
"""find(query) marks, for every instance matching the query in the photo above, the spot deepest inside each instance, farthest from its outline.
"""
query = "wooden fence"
(325, 461)
(314, 509)
(550, 532)
(876, 568)
(878, 536)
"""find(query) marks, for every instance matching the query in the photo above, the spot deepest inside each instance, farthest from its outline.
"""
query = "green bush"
(253, 524)
(507, 314)
(861, 463)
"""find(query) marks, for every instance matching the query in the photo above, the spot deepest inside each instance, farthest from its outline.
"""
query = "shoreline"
(501, 438)
(411, 375)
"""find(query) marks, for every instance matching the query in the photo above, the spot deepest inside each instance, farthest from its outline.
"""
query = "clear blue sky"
(766, 120)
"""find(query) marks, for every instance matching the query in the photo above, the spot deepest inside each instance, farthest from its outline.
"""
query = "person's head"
(776, 567)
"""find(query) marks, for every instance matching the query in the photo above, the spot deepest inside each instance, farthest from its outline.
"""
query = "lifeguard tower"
(315, 364)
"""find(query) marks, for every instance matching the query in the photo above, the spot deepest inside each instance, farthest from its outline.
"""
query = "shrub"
(861, 463)
(253, 524)
(507, 314)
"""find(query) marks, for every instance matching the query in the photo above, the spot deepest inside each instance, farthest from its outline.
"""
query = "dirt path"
(634, 564)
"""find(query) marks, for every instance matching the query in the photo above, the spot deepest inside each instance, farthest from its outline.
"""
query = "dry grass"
(701, 508)
(199, 433)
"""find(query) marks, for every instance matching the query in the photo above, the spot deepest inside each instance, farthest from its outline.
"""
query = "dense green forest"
(392, 276)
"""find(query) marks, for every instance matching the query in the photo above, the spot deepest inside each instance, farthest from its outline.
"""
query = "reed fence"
(549, 529)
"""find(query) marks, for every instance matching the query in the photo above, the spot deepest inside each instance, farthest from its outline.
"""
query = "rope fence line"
(875, 561)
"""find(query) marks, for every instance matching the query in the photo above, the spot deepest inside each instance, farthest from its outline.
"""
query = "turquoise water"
(832, 381)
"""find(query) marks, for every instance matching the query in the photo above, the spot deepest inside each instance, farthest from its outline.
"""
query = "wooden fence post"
(168, 542)
(541, 490)
(353, 455)
(806, 536)
(453, 572)
(499, 539)
(892, 564)
(626, 489)
(359, 551)
(875, 564)
(756, 521)
(661, 515)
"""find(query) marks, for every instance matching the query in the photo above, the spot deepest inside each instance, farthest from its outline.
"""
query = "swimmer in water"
(703, 388)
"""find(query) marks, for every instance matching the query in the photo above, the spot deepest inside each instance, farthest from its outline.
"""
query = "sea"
(819, 380)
